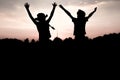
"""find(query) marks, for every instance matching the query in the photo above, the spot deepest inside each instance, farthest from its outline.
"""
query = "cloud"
(87, 2)
(8, 5)
(11, 4)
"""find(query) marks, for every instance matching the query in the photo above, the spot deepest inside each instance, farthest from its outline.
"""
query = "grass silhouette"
(106, 42)
(101, 50)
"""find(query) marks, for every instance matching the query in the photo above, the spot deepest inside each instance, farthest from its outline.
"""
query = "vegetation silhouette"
(79, 22)
(102, 48)
(42, 24)
(108, 42)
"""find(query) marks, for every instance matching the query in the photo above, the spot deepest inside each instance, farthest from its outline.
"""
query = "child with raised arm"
(79, 22)
(42, 23)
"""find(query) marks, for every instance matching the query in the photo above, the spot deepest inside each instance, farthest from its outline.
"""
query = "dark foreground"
(99, 45)
(100, 53)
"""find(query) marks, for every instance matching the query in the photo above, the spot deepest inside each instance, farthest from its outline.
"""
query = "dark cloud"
(10, 5)
(112, 6)
(86, 2)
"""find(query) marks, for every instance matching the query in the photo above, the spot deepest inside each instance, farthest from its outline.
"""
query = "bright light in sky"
(15, 22)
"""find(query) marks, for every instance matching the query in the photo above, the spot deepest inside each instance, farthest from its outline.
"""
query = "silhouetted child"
(41, 23)
(79, 22)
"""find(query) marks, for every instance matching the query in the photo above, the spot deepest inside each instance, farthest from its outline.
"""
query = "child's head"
(80, 13)
(41, 16)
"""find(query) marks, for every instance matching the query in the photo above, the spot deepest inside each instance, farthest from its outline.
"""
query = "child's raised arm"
(52, 12)
(29, 13)
(66, 11)
(92, 12)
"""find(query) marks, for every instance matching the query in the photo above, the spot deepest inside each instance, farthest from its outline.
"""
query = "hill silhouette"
(107, 42)
(102, 50)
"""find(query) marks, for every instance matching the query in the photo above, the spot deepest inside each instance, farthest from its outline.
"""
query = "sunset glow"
(15, 22)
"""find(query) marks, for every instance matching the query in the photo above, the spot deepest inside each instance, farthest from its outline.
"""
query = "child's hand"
(26, 5)
(54, 4)
(60, 6)
(95, 9)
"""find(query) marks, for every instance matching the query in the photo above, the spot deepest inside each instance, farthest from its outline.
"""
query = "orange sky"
(15, 22)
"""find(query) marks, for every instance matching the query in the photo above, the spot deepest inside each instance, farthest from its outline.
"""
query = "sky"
(15, 22)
